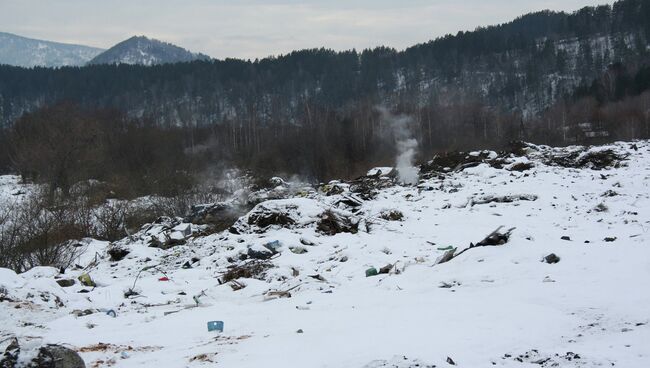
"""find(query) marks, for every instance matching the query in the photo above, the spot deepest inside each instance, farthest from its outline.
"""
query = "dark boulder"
(57, 356)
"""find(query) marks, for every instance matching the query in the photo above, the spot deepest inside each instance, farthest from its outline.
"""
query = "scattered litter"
(386, 269)
(495, 238)
(65, 282)
(117, 253)
(501, 199)
(275, 294)
(131, 291)
(545, 360)
(236, 285)
(446, 257)
(305, 241)
(82, 313)
(298, 250)
(371, 272)
(601, 207)
(392, 215)
(399, 361)
(86, 280)
(318, 277)
(332, 223)
(273, 246)
(197, 297)
(255, 269)
(215, 326)
(551, 258)
(203, 358)
(448, 285)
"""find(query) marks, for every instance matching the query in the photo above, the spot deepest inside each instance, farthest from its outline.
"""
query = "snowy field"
(490, 306)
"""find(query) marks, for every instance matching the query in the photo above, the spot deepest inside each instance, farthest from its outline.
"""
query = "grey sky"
(258, 28)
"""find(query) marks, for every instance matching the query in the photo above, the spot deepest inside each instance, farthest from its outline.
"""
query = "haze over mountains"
(27, 52)
(138, 50)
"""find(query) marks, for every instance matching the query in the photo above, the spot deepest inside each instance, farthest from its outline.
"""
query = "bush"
(40, 231)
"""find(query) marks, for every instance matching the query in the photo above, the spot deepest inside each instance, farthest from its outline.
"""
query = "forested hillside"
(524, 65)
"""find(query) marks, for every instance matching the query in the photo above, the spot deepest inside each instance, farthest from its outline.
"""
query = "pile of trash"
(456, 161)
(520, 156)
(283, 213)
(512, 159)
(164, 233)
(333, 222)
(367, 187)
(278, 188)
(254, 269)
(218, 216)
(597, 158)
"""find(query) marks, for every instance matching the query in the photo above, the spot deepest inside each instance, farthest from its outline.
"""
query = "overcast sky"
(258, 28)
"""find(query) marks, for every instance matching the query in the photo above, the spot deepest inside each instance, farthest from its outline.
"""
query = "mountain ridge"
(141, 50)
(28, 52)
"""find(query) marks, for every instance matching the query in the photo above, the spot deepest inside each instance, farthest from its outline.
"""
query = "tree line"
(65, 144)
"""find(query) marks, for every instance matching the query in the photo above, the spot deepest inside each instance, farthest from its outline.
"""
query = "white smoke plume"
(408, 174)
(406, 145)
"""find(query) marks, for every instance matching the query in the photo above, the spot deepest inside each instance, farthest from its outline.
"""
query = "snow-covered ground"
(12, 191)
(490, 306)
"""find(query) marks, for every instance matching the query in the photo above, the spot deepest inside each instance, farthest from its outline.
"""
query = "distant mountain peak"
(142, 50)
(28, 52)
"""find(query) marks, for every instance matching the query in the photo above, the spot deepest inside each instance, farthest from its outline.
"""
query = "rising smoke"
(406, 145)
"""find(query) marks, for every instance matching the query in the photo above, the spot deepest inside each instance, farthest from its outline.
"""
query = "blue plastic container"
(215, 326)
(273, 246)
